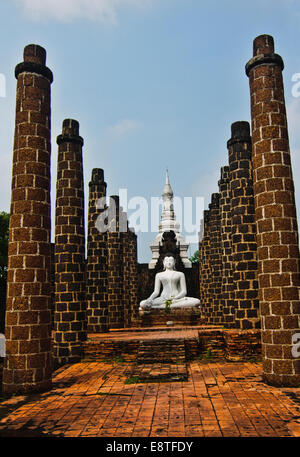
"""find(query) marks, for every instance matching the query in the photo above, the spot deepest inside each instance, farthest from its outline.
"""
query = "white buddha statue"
(174, 289)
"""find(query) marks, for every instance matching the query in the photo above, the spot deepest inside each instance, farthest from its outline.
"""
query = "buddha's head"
(169, 262)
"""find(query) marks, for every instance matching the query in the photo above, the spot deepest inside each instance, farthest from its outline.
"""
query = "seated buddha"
(173, 289)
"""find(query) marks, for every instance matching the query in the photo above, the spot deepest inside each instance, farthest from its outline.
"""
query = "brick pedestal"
(244, 246)
(96, 270)
(275, 213)
(28, 364)
(70, 306)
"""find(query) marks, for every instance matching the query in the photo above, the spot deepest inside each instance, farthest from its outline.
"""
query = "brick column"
(275, 212)
(115, 265)
(70, 306)
(96, 270)
(52, 281)
(126, 278)
(215, 260)
(28, 363)
(227, 303)
(244, 247)
(204, 266)
(133, 280)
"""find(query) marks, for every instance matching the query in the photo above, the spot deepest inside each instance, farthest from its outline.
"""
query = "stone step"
(161, 351)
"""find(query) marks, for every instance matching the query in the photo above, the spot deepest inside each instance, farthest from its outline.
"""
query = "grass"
(254, 360)
(208, 354)
(132, 380)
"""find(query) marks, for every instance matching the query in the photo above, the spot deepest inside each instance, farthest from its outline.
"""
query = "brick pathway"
(91, 399)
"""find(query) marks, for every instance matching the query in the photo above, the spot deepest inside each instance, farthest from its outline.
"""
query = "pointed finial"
(167, 189)
(167, 177)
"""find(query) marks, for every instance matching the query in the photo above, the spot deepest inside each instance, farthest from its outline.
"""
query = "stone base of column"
(67, 353)
(283, 380)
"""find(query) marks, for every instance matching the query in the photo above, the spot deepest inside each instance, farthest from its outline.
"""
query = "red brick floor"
(219, 399)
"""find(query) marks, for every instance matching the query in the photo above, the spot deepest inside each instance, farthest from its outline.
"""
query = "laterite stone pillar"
(115, 265)
(215, 260)
(28, 365)
(126, 278)
(244, 247)
(275, 213)
(96, 269)
(133, 278)
(70, 306)
(204, 267)
(227, 303)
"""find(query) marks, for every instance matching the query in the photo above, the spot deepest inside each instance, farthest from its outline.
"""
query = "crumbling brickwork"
(28, 364)
(70, 305)
(275, 214)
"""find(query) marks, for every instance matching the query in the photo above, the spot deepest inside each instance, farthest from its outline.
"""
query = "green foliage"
(208, 354)
(4, 233)
(195, 257)
(119, 359)
(167, 307)
(132, 380)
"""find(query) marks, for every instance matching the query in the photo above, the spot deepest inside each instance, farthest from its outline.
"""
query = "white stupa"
(168, 222)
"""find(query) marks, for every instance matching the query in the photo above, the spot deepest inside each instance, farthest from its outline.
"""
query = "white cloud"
(69, 10)
(122, 127)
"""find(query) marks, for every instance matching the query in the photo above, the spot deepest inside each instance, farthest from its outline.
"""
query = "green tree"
(195, 257)
(4, 231)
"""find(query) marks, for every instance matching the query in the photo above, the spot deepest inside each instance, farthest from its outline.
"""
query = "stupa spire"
(168, 223)
(167, 189)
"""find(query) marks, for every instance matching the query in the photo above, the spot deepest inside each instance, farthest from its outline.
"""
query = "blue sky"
(153, 83)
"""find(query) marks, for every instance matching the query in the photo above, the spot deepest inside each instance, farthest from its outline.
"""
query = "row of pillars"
(228, 251)
(29, 363)
(90, 295)
(249, 256)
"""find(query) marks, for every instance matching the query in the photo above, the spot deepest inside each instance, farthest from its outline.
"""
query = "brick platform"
(179, 317)
(200, 342)
(91, 400)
